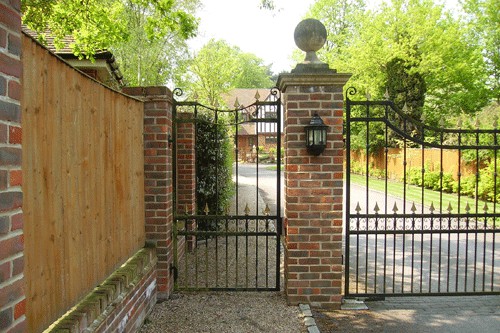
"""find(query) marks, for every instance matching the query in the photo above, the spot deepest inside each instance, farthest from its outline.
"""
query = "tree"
(252, 72)
(219, 67)
(151, 59)
(100, 24)
(340, 18)
(428, 41)
(405, 88)
(484, 20)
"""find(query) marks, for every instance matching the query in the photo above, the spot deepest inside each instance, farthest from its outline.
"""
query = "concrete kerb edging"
(308, 318)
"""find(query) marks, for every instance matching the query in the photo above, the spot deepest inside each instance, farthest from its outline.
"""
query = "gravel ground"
(225, 312)
(235, 312)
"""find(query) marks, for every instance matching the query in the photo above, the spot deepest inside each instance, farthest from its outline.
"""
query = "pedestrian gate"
(227, 224)
(404, 239)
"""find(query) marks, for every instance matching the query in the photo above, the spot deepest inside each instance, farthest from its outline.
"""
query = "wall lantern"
(316, 135)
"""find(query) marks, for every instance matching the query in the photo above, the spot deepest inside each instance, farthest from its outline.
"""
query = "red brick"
(10, 200)
(14, 45)
(10, 66)
(9, 111)
(3, 38)
(17, 221)
(17, 266)
(15, 90)
(15, 135)
(12, 291)
(5, 271)
(10, 17)
(20, 309)
(3, 82)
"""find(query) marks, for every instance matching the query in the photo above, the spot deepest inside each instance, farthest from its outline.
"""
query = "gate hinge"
(173, 270)
(170, 140)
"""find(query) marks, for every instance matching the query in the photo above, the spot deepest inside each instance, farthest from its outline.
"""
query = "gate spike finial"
(195, 96)
(216, 104)
(358, 208)
(449, 209)
(368, 96)
(376, 209)
(459, 123)
(467, 208)
(441, 122)
(386, 95)
(431, 208)
(236, 103)
(413, 208)
(395, 208)
(495, 121)
(485, 208)
(477, 123)
(257, 95)
(267, 210)
(206, 210)
(247, 210)
(405, 108)
(226, 210)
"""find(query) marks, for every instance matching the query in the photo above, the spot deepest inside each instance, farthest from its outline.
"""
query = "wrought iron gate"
(231, 243)
(402, 239)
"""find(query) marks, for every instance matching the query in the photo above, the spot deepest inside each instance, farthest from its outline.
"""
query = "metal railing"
(403, 239)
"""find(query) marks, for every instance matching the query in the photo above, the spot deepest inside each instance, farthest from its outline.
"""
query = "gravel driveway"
(235, 312)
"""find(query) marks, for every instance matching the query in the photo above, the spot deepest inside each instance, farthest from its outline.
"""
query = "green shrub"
(432, 179)
(487, 185)
(213, 167)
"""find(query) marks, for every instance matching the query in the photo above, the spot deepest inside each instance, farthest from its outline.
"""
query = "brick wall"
(186, 176)
(313, 191)
(158, 178)
(119, 304)
(12, 299)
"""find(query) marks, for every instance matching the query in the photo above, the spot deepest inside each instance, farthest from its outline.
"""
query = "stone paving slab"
(457, 314)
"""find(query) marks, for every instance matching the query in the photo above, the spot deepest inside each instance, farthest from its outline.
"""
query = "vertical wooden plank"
(83, 183)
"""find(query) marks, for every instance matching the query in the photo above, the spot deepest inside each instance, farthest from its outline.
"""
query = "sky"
(269, 35)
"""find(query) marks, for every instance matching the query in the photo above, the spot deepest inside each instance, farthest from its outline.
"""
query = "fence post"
(158, 179)
(12, 295)
(313, 185)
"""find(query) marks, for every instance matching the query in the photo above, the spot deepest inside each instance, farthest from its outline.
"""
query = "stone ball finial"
(310, 36)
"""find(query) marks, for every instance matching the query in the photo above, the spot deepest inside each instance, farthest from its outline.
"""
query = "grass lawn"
(414, 193)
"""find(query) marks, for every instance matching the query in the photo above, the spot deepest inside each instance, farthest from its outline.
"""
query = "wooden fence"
(83, 183)
(395, 167)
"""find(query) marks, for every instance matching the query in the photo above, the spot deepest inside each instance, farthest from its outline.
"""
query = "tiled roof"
(67, 41)
(245, 96)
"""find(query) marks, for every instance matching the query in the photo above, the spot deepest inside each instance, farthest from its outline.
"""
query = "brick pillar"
(12, 297)
(186, 173)
(313, 189)
(158, 178)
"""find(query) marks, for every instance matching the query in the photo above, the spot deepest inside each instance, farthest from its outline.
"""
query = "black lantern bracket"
(316, 133)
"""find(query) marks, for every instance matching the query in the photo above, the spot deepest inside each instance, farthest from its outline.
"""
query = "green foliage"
(405, 87)
(252, 73)
(151, 54)
(213, 166)
(486, 185)
(219, 67)
(432, 179)
(106, 24)
(429, 42)
(484, 20)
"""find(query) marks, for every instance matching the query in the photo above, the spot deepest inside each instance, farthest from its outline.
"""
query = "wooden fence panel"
(83, 183)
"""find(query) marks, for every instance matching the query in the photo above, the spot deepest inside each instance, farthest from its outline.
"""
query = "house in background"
(103, 68)
(252, 135)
